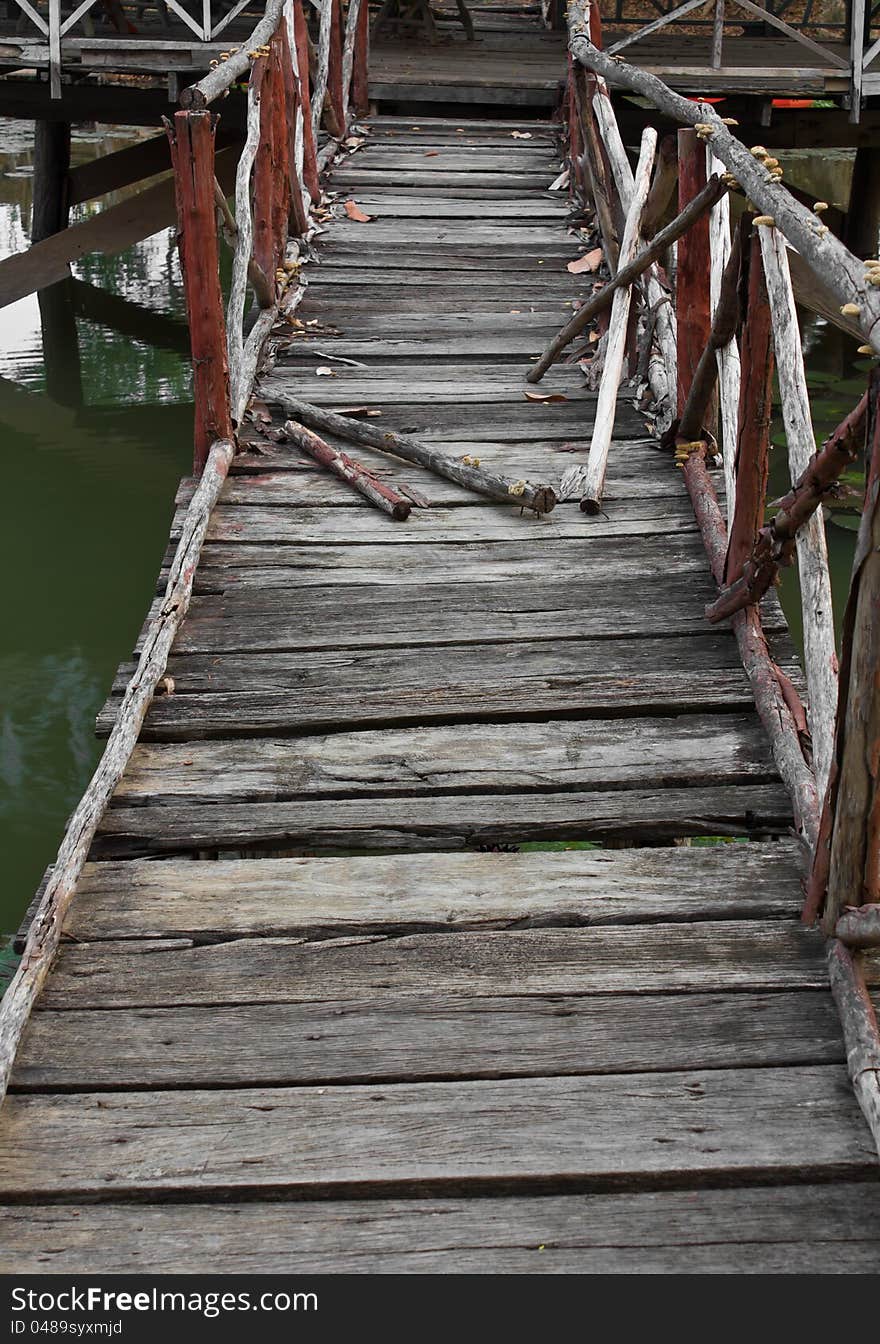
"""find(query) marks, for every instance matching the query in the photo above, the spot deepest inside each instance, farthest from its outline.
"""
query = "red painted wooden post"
(692, 284)
(192, 155)
(360, 74)
(755, 411)
(334, 71)
(310, 161)
(595, 24)
(282, 130)
(297, 215)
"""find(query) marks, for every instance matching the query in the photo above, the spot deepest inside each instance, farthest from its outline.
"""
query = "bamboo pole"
(626, 275)
(820, 656)
(593, 480)
(44, 934)
(345, 468)
(540, 498)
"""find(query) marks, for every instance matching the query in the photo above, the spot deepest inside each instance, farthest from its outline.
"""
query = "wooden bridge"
(306, 984)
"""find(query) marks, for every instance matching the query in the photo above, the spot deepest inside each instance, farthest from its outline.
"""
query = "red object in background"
(793, 102)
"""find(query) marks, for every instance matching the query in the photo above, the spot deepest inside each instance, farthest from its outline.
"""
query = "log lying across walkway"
(540, 498)
(346, 469)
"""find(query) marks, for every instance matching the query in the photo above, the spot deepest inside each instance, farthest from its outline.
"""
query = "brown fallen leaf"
(588, 262)
(356, 412)
(431, 153)
(324, 371)
(356, 213)
(545, 396)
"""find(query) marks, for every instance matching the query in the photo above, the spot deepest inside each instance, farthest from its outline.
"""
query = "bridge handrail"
(745, 288)
(276, 186)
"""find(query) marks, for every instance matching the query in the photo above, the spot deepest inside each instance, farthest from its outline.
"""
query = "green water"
(96, 433)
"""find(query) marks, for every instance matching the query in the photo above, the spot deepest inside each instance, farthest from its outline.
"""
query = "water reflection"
(96, 431)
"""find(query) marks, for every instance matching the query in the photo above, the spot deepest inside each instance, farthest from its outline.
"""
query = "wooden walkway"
(306, 1012)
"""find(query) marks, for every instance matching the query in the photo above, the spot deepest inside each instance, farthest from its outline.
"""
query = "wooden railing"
(728, 316)
(276, 185)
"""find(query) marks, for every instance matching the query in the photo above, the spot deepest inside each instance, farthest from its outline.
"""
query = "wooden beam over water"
(110, 231)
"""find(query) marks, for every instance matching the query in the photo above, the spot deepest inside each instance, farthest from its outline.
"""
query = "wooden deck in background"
(301, 1016)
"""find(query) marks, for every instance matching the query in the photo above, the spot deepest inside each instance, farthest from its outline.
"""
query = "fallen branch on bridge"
(540, 498)
(353, 473)
(44, 935)
(626, 275)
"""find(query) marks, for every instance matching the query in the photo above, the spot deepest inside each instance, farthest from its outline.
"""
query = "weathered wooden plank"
(546, 208)
(588, 754)
(259, 693)
(341, 617)
(707, 957)
(691, 1127)
(418, 384)
(297, 489)
(444, 822)
(514, 419)
(827, 1228)
(173, 898)
(419, 1038)
(262, 566)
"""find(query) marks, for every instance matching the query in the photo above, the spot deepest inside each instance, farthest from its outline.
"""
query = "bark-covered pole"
(843, 273)
(846, 870)
(541, 498)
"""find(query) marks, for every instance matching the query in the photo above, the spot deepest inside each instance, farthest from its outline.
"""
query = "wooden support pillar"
(694, 265)
(360, 73)
(862, 225)
(334, 69)
(751, 465)
(51, 173)
(192, 156)
(310, 160)
(61, 360)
